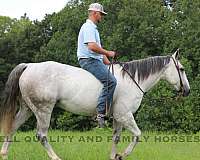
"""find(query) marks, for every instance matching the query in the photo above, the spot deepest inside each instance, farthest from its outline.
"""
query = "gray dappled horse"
(39, 86)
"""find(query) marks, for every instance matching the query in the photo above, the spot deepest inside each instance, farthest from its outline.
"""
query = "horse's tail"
(11, 95)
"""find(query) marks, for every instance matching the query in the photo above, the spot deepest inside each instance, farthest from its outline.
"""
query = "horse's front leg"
(117, 128)
(129, 123)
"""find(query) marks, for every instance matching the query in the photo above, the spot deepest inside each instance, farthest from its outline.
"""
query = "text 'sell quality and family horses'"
(39, 86)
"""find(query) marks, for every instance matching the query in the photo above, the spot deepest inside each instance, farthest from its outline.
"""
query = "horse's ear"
(176, 54)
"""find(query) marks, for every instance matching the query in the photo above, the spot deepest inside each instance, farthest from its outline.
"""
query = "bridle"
(115, 61)
(178, 70)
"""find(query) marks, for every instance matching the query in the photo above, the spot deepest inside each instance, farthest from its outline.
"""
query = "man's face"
(98, 16)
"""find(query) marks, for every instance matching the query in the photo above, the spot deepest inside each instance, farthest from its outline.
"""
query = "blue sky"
(35, 9)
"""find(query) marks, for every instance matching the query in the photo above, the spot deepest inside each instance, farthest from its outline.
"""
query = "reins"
(115, 61)
(111, 67)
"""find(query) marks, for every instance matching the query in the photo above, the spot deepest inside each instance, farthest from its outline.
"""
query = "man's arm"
(95, 48)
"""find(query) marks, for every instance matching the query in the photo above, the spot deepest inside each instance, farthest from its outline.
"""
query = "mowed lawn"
(96, 145)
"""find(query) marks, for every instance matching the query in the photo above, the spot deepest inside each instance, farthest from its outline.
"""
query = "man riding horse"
(93, 58)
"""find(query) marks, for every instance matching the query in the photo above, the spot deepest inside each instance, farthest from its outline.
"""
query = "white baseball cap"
(96, 7)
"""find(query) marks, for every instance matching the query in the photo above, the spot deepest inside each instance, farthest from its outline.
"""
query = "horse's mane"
(145, 67)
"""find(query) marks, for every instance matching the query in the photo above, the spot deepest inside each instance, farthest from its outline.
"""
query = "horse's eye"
(182, 69)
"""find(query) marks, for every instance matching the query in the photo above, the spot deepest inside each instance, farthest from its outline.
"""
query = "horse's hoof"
(118, 157)
(4, 156)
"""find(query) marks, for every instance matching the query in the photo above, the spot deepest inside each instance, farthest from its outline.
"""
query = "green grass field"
(96, 145)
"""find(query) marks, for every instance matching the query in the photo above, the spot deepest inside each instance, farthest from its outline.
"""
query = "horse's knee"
(138, 133)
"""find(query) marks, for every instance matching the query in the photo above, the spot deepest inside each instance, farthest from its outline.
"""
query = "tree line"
(136, 29)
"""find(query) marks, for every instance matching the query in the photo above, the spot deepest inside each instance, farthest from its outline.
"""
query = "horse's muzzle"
(186, 92)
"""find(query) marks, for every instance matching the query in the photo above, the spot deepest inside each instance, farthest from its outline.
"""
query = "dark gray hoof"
(118, 157)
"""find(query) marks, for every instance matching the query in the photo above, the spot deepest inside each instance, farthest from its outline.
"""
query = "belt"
(82, 58)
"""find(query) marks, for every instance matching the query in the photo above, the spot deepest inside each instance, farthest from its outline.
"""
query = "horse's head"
(175, 74)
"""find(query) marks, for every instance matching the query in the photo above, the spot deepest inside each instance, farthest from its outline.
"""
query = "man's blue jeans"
(101, 72)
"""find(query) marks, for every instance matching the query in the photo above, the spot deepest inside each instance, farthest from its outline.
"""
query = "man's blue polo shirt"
(88, 33)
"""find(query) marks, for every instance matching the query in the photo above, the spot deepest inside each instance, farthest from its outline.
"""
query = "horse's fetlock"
(117, 139)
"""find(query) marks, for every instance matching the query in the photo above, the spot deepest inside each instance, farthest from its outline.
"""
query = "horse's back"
(54, 81)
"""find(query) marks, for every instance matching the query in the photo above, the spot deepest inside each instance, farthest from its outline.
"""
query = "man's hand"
(106, 60)
(93, 46)
(110, 54)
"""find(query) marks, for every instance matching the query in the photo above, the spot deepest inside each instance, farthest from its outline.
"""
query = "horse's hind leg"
(42, 112)
(43, 121)
(23, 114)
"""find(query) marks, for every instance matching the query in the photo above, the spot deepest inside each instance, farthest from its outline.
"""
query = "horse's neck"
(145, 85)
(151, 81)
